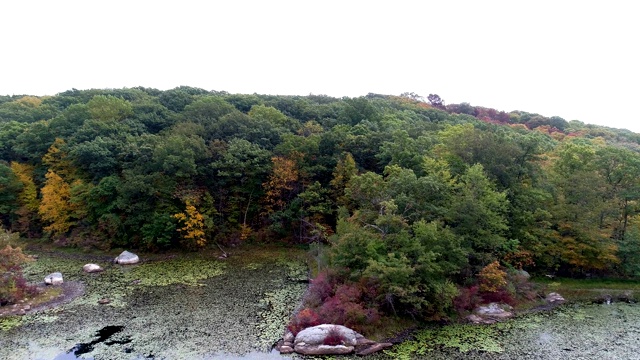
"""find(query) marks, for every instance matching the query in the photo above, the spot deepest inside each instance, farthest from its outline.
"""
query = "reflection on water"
(69, 356)
(102, 335)
(274, 355)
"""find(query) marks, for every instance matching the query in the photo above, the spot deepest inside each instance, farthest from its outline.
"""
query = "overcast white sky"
(574, 59)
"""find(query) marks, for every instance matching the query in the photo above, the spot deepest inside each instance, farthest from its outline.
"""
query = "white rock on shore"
(53, 279)
(126, 258)
(91, 268)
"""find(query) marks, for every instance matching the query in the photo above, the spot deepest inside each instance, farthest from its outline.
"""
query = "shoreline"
(71, 290)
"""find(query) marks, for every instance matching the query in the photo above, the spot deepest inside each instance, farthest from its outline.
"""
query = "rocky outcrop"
(554, 298)
(54, 279)
(320, 349)
(523, 274)
(372, 348)
(328, 339)
(490, 313)
(475, 319)
(126, 258)
(92, 268)
(325, 339)
(288, 337)
(285, 349)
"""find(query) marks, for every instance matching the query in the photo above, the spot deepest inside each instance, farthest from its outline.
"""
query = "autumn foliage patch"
(13, 286)
(333, 337)
(333, 300)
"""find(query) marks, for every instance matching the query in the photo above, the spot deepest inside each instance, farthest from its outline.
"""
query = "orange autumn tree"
(492, 278)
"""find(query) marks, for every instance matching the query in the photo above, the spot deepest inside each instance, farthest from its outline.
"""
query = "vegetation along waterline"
(412, 211)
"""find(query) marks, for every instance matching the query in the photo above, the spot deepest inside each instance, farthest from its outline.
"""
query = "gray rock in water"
(126, 258)
(288, 337)
(554, 297)
(373, 348)
(307, 349)
(523, 274)
(475, 319)
(91, 268)
(311, 341)
(495, 311)
(53, 279)
(316, 335)
(363, 341)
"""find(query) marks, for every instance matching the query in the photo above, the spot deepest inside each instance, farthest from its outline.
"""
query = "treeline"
(402, 188)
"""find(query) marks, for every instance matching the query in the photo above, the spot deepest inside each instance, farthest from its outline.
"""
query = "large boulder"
(554, 298)
(494, 311)
(91, 268)
(475, 319)
(53, 279)
(285, 349)
(325, 339)
(126, 258)
(523, 274)
(306, 349)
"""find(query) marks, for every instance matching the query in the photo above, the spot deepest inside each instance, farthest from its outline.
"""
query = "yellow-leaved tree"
(56, 207)
(193, 226)
(61, 204)
(280, 184)
(28, 197)
(57, 160)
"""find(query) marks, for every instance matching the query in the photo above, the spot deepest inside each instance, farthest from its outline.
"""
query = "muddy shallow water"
(199, 307)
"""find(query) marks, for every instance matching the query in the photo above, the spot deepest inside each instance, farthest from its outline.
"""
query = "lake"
(196, 306)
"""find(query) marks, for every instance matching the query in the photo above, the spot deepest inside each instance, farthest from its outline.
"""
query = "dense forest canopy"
(406, 190)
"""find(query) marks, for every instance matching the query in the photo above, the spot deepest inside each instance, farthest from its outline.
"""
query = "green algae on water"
(282, 302)
(278, 305)
(9, 322)
(177, 271)
(463, 338)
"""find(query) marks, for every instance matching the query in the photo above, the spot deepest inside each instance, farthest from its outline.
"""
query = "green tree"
(342, 174)
(10, 187)
(109, 107)
(478, 215)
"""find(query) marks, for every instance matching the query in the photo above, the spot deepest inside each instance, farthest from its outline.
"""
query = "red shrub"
(333, 337)
(303, 319)
(467, 299)
(338, 301)
(347, 293)
(320, 289)
(346, 308)
(14, 287)
(500, 296)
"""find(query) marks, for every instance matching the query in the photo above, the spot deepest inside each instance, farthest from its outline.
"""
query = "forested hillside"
(401, 187)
